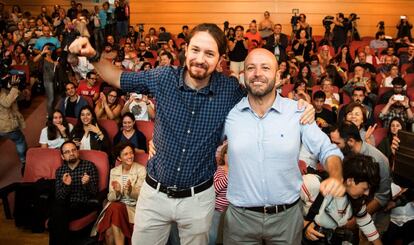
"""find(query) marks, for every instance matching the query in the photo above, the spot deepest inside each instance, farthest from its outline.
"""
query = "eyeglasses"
(70, 151)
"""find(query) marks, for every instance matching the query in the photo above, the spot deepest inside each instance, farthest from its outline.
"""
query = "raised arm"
(109, 73)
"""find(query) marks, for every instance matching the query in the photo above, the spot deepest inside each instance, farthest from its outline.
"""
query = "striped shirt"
(188, 122)
(220, 186)
(335, 212)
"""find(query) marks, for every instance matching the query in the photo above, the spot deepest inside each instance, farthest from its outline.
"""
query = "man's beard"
(198, 76)
(72, 160)
(260, 93)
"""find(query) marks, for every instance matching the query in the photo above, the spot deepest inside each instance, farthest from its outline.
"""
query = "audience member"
(56, 132)
(128, 131)
(379, 42)
(48, 64)
(238, 48)
(89, 87)
(324, 220)
(332, 98)
(87, 133)
(396, 124)
(359, 96)
(282, 73)
(340, 31)
(266, 26)
(220, 187)
(184, 33)
(315, 67)
(108, 106)
(323, 117)
(11, 121)
(301, 46)
(357, 114)
(404, 28)
(393, 73)
(324, 56)
(76, 186)
(70, 105)
(116, 220)
(140, 106)
(253, 36)
(121, 15)
(398, 106)
(299, 92)
(398, 88)
(347, 138)
(344, 57)
(277, 43)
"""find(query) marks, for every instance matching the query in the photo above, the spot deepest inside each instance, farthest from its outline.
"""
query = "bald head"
(260, 69)
(262, 56)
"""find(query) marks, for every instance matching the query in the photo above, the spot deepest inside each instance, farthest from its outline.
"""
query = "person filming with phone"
(397, 106)
(404, 28)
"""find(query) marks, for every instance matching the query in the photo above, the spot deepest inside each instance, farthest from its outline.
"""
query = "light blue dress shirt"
(263, 153)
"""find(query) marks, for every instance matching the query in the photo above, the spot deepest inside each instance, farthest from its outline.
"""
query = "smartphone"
(399, 97)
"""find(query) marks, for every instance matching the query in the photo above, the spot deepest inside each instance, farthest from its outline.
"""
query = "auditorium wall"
(172, 14)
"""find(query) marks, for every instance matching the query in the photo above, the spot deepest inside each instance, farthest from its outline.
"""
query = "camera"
(6, 80)
(141, 27)
(353, 17)
(403, 17)
(336, 236)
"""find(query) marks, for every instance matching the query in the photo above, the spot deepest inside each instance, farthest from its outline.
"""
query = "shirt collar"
(277, 104)
(211, 88)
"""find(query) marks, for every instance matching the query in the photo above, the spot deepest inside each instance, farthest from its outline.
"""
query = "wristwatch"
(95, 58)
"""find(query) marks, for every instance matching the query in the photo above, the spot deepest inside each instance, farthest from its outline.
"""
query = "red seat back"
(286, 88)
(72, 120)
(377, 111)
(110, 126)
(89, 100)
(100, 159)
(41, 163)
(379, 134)
(147, 128)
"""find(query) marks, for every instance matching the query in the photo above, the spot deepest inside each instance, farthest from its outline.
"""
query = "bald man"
(263, 150)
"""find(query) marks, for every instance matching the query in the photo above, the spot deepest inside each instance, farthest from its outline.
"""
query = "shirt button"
(183, 150)
(263, 180)
(193, 112)
(178, 169)
(188, 131)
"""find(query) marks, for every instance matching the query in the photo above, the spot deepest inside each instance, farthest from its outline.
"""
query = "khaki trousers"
(155, 212)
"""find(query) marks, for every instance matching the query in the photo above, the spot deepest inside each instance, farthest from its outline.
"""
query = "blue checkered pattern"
(188, 123)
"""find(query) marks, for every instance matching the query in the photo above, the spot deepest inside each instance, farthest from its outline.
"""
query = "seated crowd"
(358, 89)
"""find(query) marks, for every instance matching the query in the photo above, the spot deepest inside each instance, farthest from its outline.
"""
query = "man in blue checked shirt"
(264, 177)
(192, 104)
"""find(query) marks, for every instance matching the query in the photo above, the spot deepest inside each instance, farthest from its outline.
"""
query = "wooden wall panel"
(174, 13)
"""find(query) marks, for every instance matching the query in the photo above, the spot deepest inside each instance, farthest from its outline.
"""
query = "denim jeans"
(50, 95)
(214, 228)
(18, 138)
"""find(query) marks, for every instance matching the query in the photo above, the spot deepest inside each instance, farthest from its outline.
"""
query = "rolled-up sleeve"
(318, 143)
(146, 81)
